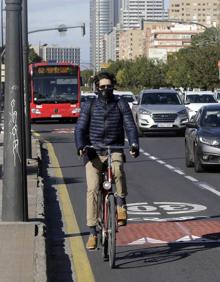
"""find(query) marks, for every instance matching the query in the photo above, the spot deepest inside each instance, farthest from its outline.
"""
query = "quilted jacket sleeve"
(82, 126)
(129, 123)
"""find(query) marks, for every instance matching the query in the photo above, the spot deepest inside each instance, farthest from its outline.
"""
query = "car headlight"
(183, 112)
(144, 112)
(209, 141)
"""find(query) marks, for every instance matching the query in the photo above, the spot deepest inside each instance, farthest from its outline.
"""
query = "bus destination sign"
(54, 70)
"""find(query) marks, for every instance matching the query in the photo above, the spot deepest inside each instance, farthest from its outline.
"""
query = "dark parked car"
(202, 138)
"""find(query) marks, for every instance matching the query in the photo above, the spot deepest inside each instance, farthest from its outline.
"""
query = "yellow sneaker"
(92, 242)
(122, 216)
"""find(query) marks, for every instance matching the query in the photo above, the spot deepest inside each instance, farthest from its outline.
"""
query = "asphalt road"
(174, 229)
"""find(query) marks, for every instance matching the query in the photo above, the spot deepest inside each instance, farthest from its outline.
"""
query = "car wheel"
(197, 163)
(188, 162)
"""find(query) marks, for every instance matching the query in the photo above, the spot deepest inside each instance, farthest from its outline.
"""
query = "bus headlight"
(76, 110)
(36, 111)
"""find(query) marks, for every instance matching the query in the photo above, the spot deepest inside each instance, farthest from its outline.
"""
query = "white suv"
(194, 100)
(160, 110)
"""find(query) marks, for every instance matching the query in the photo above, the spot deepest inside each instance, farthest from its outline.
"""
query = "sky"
(52, 13)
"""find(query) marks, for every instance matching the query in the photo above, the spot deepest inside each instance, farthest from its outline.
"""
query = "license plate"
(56, 116)
(164, 125)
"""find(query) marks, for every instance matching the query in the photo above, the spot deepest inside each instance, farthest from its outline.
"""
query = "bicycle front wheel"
(111, 230)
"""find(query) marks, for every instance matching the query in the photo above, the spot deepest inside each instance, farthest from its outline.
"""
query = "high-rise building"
(204, 12)
(132, 11)
(103, 17)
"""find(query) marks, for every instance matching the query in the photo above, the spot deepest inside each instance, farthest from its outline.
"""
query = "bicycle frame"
(107, 212)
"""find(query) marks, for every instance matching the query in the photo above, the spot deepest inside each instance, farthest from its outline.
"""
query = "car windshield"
(128, 98)
(200, 98)
(160, 98)
(211, 119)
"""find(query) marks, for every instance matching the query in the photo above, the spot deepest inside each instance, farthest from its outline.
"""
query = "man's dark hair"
(104, 74)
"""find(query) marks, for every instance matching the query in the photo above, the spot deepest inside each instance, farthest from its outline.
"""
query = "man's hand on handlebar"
(134, 150)
(81, 151)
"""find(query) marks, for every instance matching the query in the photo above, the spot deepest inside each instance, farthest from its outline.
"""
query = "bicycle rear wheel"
(111, 230)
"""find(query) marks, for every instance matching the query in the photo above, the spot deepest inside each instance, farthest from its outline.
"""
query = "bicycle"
(107, 211)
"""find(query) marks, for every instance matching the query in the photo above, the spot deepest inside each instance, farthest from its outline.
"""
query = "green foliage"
(33, 57)
(195, 67)
(138, 74)
(192, 67)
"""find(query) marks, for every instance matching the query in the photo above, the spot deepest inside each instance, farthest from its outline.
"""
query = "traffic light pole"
(14, 204)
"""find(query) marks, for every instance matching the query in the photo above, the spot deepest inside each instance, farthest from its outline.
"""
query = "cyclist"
(103, 121)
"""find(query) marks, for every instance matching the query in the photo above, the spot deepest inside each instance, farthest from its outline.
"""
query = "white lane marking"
(153, 158)
(160, 162)
(209, 188)
(180, 172)
(191, 178)
(169, 166)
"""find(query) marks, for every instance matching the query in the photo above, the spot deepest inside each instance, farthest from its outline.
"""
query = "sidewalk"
(22, 244)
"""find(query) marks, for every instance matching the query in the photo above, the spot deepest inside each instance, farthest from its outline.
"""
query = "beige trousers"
(93, 177)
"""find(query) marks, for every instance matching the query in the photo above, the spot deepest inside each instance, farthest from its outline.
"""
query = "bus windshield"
(55, 89)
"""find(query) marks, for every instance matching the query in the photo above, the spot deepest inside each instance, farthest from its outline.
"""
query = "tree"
(210, 37)
(33, 57)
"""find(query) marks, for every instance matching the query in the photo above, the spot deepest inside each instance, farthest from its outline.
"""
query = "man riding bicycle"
(103, 121)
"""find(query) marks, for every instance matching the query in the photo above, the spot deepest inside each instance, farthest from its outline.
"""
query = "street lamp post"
(60, 28)
(14, 204)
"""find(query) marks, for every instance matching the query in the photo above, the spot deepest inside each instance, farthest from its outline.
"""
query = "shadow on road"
(58, 262)
(145, 257)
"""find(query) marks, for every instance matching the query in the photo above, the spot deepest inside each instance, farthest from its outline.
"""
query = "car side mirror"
(186, 102)
(135, 102)
(191, 124)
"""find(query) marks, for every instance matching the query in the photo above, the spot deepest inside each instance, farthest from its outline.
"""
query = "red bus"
(55, 91)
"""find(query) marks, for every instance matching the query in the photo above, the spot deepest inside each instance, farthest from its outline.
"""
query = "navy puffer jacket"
(104, 122)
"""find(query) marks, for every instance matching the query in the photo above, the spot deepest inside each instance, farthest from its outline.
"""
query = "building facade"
(60, 54)
(132, 11)
(204, 12)
(156, 41)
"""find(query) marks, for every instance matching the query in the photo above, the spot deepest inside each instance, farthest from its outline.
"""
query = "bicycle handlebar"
(108, 147)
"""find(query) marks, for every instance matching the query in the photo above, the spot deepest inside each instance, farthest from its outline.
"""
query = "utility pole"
(25, 73)
(14, 204)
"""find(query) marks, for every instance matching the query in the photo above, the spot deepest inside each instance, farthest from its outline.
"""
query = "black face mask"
(106, 93)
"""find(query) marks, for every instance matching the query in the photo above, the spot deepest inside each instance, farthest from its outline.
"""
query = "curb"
(40, 273)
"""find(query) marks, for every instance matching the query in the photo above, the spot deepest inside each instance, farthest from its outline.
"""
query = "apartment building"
(132, 44)
(204, 12)
(156, 41)
(59, 54)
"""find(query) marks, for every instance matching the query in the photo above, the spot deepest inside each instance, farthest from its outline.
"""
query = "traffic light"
(83, 29)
